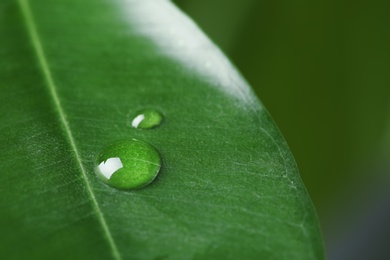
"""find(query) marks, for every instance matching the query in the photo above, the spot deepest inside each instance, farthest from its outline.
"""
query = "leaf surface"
(73, 74)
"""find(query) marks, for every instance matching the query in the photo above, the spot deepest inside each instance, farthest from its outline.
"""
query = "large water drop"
(127, 165)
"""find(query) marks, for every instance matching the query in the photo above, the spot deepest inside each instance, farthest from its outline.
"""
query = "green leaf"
(72, 75)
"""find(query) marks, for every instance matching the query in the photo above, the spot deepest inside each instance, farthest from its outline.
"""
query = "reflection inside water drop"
(111, 165)
(137, 120)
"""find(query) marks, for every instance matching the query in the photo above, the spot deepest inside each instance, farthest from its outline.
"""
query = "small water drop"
(127, 165)
(146, 119)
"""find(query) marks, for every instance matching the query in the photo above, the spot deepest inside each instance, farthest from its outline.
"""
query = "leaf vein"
(36, 42)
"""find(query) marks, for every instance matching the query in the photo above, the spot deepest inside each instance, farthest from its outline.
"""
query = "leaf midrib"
(43, 64)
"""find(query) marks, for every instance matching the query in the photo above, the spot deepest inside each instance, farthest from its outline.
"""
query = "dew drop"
(127, 165)
(146, 119)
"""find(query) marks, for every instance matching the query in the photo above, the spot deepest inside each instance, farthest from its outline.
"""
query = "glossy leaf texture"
(72, 76)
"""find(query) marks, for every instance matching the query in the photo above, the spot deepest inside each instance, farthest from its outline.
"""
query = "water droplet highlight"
(146, 119)
(128, 165)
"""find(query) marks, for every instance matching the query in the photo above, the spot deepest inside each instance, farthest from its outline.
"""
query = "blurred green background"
(322, 69)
